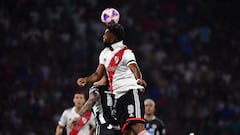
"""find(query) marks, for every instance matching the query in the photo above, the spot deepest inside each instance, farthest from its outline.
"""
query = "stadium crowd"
(188, 51)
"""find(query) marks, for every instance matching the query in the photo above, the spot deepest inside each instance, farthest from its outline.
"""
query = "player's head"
(79, 99)
(113, 34)
(149, 105)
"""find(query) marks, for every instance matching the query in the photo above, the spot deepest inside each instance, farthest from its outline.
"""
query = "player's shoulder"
(106, 49)
(103, 53)
(128, 51)
(159, 121)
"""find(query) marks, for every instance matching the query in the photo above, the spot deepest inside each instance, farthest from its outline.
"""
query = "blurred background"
(188, 51)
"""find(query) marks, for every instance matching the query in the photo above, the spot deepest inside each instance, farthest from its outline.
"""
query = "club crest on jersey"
(84, 120)
(116, 59)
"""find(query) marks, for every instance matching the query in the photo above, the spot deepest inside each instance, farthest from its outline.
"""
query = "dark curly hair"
(117, 30)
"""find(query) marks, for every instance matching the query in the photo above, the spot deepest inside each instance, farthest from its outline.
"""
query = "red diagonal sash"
(81, 122)
(112, 66)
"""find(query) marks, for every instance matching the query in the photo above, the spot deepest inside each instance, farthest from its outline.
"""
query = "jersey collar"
(117, 45)
(73, 109)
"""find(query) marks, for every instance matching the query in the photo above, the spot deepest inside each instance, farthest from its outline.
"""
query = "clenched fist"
(82, 81)
(142, 83)
(73, 123)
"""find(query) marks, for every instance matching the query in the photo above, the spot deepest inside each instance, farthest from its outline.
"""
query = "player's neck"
(77, 109)
(149, 116)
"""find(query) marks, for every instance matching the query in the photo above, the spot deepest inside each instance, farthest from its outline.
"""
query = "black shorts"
(130, 109)
(107, 129)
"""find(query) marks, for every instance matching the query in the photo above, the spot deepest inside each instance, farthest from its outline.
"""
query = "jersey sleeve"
(129, 57)
(161, 127)
(63, 119)
(100, 58)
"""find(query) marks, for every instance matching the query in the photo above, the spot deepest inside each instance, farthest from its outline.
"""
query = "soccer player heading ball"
(110, 16)
(125, 80)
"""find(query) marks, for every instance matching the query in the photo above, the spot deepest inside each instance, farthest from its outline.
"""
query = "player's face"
(149, 108)
(79, 100)
(108, 38)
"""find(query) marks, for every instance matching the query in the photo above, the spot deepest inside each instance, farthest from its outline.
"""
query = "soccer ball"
(110, 16)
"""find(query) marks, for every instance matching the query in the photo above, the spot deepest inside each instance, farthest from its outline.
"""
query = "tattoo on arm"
(89, 104)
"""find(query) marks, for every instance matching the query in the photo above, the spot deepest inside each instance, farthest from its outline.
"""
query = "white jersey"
(123, 79)
(69, 114)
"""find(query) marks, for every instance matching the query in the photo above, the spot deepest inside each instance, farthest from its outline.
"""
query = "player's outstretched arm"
(97, 75)
(93, 97)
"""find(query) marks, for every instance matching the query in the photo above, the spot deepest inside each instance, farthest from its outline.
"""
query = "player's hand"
(142, 83)
(82, 81)
(73, 123)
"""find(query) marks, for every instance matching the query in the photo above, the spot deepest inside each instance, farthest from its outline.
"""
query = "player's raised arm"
(93, 97)
(97, 75)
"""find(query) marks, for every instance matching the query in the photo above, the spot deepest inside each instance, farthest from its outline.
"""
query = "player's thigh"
(130, 106)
